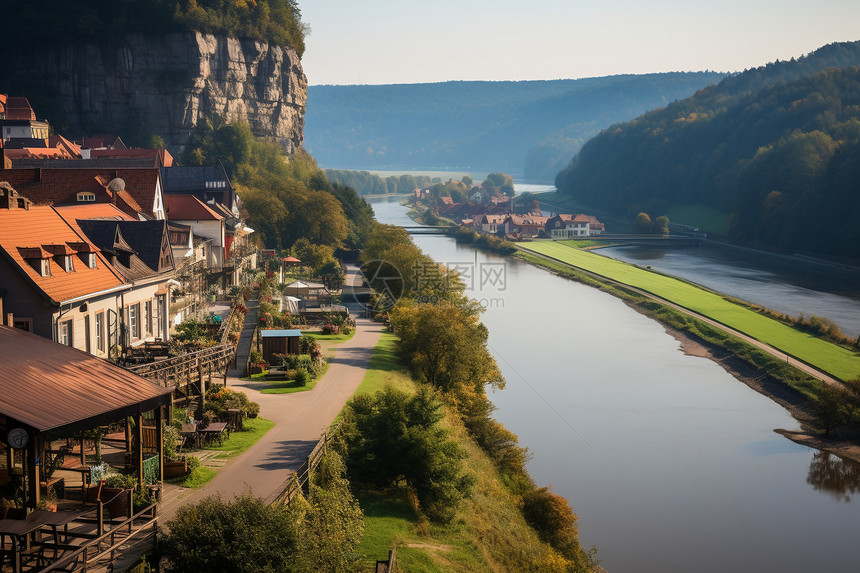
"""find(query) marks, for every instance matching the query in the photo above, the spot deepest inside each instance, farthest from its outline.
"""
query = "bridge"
(428, 229)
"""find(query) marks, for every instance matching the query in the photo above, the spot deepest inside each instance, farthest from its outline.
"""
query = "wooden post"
(138, 447)
(159, 437)
(32, 491)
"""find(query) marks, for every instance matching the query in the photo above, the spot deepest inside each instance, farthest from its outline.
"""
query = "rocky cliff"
(164, 86)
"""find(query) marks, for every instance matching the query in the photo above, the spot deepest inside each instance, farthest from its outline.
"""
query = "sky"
(403, 41)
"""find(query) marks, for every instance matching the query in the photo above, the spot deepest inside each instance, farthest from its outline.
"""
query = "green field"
(836, 361)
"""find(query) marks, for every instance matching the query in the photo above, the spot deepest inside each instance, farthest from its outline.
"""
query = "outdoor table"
(54, 519)
(19, 530)
(212, 431)
(189, 431)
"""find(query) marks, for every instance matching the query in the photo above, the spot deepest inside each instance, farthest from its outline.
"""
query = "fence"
(389, 565)
(187, 368)
(298, 480)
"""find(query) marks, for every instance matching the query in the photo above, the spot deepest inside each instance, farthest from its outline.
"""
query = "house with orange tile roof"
(568, 226)
(60, 284)
(525, 225)
(137, 192)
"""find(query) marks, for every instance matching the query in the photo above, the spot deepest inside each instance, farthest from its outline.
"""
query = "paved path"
(300, 420)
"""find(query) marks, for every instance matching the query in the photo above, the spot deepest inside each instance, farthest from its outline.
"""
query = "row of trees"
(444, 345)
(773, 148)
(367, 183)
(643, 224)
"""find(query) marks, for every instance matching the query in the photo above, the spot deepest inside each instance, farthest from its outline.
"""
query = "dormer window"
(86, 253)
(86, 197)
(38, 258)
(63, 255)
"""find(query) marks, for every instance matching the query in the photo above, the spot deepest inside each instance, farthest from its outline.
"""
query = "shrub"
(219, 399)
(553, 519)
(392, 436)
(302, 377)
(330, 329)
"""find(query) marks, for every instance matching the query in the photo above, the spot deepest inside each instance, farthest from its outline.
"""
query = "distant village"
(494, 213)
(104, 248)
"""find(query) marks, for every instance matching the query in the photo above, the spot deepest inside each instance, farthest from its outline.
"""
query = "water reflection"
(835, 476)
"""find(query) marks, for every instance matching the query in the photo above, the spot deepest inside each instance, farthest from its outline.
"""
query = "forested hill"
(776, 150)
(481, 126)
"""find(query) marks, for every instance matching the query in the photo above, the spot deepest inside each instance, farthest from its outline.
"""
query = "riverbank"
(797, 403)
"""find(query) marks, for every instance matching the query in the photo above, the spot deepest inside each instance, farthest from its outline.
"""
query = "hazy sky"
(402, 41)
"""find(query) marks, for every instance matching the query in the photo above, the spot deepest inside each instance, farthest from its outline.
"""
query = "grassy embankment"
(489, 533)
(830, 358)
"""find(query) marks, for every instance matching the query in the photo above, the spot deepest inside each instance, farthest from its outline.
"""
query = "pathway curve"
(300, 420)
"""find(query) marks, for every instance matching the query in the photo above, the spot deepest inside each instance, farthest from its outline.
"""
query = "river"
(670, 463)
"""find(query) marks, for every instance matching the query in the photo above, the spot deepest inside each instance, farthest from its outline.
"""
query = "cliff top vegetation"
(273, 21)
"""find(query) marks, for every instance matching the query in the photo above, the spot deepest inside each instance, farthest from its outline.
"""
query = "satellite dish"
(116, 185)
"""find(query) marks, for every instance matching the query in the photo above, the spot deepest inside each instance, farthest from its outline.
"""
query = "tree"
(333, 524)
(553, 519)
(446, 346)
(467, 180)
(392, 437)
(244, 535)
(661, 225)
(642, 223)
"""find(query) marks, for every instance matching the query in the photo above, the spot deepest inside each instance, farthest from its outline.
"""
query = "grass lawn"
(237, 443)
(837, 361)
(384, 367)
(330, 337)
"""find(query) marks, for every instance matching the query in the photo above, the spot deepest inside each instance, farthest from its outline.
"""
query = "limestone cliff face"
(168, 86)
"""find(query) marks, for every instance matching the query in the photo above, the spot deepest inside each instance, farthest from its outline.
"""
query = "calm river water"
(671, 464)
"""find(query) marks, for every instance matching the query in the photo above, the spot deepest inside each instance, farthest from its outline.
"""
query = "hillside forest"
(529, 127)
(775, 150)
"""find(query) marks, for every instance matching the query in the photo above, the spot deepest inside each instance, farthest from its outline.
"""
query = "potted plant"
(256, 364)
(174, 465)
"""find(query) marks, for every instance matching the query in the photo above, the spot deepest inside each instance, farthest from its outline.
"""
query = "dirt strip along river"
(671, 464)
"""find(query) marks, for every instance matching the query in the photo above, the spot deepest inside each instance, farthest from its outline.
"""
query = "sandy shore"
(763, 383)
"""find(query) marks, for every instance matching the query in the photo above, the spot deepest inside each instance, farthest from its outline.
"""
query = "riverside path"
(300, 420)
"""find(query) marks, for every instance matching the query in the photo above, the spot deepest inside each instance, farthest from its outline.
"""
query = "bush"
(219, 399)
(302, 377)
(330, 329)
(553, 519)
(392, 436)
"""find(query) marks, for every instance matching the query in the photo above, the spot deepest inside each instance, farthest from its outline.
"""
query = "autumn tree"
(642, 223)
(392, 437)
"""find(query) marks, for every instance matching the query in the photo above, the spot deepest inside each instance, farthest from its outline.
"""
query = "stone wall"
(165, 86)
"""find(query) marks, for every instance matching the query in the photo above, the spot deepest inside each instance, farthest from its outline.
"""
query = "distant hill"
(775, 149)
(480, 126)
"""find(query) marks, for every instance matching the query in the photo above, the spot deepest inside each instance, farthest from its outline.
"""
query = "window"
(67, 264)
(147, 316)
(100, 331)
(86, 197)
(134, 320)
(64, 336)
(87, 336)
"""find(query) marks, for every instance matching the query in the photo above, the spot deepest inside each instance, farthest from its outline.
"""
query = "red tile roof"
(159, 157)
(57, 140)
(39, 227)
(60, 186)
(19, 108)
(189, 208)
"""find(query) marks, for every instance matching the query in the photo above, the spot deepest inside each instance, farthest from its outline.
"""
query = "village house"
(492, 224)
(137, 192)
(525, 225)
(567, 226)
(59, 284)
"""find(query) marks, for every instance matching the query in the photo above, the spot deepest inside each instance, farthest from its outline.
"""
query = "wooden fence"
(299, 480)
(188, 368)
